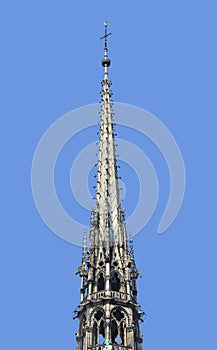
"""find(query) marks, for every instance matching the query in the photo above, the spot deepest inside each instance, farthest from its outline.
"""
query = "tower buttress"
(108, 312)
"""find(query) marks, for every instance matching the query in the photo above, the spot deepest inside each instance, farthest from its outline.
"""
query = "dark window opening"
(101, 332)
(114, 332)
(98, 315)
(122, 334)
(101, 282)
(118, 315)
(115, 283)
(95, 340)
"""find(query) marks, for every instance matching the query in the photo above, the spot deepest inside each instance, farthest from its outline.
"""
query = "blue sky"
(163, 60)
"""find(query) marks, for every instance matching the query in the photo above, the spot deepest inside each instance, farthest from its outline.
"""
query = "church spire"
(108, 311)
(107, 194)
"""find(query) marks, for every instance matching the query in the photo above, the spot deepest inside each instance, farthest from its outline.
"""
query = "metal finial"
(105, 36)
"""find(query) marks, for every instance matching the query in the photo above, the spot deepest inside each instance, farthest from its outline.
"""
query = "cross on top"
(106, 33)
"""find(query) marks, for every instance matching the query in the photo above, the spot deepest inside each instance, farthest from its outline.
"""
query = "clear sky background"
(163, 60)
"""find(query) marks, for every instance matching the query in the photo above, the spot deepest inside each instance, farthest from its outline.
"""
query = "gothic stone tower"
(108, 313)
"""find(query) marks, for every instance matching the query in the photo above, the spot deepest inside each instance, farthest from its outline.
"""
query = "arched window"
(98, 335)
(118, 327)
